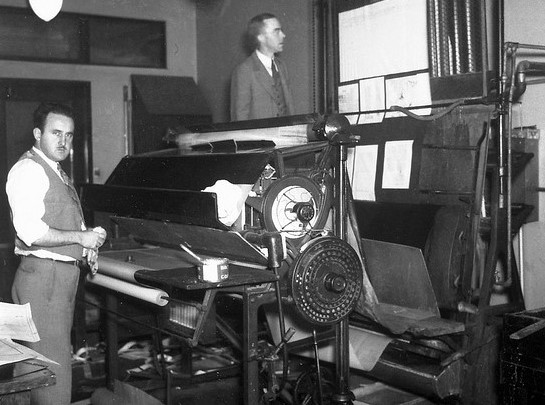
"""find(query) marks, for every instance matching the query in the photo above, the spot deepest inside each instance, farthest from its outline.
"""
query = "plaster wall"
(524, 20)
(220, 28)
(107, 82)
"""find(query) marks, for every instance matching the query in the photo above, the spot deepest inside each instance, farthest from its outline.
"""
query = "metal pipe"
(432, 34)
(318, 371)
(484, 48)
(527, 46)
(509, 175)
(508, 52)
(318, 55)
(535, 81)
(331, 58)
(127, 121)
(531, 68)
(444, 45)
(343, 395)
(472, 46)
(456, 27)
(521, 259)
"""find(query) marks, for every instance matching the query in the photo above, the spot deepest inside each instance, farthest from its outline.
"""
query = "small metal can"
(214, 270)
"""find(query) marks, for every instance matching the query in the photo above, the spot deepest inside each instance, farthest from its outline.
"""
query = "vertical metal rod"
(342, 366)
(509, 231)
(457, 46)
(521, 260)
(438, 39)
(432, 34)
(318, 55)
(318, 371)
(111, 359)
(250, 369)
(472, 47)
(330, 60)
(444, 45)
(127, 122)
(484, 47)
(282, 325)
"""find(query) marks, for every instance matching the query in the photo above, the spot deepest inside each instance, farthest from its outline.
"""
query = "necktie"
(64, 176)
(275, 74)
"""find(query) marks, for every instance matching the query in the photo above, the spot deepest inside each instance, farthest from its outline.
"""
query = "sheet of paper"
(16, 322)
(364, 172)
(383, 38)
(409, 91)
(397, 164)
(12, 352)
(349, 98)
(365, 347)
(372, 98)
(352, 118)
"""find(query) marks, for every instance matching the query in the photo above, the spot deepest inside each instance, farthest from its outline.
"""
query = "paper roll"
(152, 295)
(290, 135)
(118, 269)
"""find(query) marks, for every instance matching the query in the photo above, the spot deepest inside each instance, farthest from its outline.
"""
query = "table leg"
(112, 367)
(251, 301)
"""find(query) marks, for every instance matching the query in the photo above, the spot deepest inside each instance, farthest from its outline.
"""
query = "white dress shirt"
(267, 62)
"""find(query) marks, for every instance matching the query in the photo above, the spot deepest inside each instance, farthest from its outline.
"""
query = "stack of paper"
(16, 323)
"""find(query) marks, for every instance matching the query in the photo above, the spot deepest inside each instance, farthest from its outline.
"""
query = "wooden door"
(18, 100)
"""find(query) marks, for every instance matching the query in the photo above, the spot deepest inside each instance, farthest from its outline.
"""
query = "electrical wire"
(433, 117)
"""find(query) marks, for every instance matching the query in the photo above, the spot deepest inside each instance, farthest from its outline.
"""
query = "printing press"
(334, 289)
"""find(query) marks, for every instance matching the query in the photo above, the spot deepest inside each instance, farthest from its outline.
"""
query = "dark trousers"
(50, 288)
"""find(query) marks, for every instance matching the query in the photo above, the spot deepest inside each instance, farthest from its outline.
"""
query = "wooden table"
(16, 390)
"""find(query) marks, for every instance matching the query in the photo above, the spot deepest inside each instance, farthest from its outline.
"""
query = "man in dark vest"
(260, 84)
(52, 240)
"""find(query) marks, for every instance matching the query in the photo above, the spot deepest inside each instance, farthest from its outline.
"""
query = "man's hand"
(93, 238)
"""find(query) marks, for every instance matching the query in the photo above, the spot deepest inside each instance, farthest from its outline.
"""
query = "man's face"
(55, 141)
(271, 37)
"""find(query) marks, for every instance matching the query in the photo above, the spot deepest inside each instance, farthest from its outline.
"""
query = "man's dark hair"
(255, 25)
(44, 109)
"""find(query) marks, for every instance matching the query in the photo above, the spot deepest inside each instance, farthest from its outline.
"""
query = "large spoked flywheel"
(326, 280)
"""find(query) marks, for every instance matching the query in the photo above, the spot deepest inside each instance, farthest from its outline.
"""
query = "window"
(82, 39)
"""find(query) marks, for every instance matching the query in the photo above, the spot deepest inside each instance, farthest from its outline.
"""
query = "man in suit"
(52, 240)
(260, 84)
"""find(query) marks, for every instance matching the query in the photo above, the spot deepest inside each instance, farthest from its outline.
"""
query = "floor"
(227, 391)
(138, 367)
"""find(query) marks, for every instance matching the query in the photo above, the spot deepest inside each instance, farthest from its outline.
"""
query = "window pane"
(25, 36)
(122, 42)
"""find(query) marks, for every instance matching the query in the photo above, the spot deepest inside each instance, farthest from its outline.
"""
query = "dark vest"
(62, 210)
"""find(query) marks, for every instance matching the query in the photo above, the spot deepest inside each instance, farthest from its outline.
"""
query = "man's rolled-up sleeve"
(26, 187)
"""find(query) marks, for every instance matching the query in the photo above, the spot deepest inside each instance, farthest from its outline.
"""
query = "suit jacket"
(252, 90)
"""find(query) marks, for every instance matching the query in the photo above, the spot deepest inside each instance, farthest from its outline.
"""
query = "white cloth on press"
(230, 200)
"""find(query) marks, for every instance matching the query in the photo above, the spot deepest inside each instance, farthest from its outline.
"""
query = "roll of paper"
(152, 295)
(117, 269)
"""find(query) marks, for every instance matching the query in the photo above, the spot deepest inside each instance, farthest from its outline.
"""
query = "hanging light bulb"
(46, 9)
